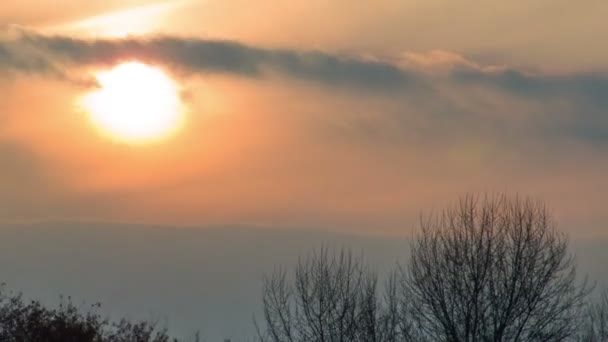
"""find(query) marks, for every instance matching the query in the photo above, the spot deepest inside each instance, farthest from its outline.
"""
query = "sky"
(295, 117)
(354, 116)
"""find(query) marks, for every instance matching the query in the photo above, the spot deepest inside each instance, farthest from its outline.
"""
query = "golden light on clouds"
(136, 103)
(121, 23)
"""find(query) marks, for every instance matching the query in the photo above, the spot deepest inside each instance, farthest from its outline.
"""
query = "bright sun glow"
(135, 103)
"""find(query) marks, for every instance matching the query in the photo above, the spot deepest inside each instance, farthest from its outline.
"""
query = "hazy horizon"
(205, 279)
(161, 156)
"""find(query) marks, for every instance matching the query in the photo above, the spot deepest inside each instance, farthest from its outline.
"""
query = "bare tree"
(595, 326)
(492, 269)
(332, 298)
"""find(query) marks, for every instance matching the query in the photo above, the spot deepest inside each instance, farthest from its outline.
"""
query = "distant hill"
(204, 278)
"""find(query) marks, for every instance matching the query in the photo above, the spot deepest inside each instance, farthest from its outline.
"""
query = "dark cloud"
(28, 51)
(589, 87)
(587, 93)
(10, 59)
(38, 53)
(584, 98)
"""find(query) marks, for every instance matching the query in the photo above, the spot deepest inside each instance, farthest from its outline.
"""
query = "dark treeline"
(30, 321)
(488, 269)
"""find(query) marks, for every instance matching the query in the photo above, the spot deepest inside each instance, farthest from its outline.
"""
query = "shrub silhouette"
(30, 321)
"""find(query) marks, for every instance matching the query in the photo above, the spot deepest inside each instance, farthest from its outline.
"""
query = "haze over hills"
(206, 279)
(238, 136)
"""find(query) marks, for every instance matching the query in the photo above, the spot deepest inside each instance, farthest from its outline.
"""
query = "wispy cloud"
(191, 55)
(583, 116)
(29, 51)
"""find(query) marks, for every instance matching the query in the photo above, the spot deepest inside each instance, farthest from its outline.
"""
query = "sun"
(135, 103)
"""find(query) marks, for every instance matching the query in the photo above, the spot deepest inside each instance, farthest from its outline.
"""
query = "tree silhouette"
(30, 321)
(333, 297)
(595, 326)
(492, 269)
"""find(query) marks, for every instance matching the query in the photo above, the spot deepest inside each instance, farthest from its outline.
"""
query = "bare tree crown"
(493, 269)
(331, 298)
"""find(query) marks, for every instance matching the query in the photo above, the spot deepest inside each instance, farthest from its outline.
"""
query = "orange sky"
(409, 104)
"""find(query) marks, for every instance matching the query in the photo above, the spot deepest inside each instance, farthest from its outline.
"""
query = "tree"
(595, 326)
(492, 269)
(333, 298)
(30, 321)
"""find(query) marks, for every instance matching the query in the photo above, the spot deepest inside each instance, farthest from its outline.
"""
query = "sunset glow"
(135, 103)
(122, 23)
(217, 164)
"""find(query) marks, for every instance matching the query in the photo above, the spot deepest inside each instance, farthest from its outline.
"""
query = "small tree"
(492, 269)
(30, 321)
(333, 298)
